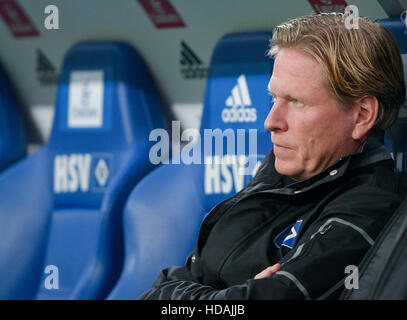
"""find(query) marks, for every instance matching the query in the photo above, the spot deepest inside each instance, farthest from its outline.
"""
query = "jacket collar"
(372, 151)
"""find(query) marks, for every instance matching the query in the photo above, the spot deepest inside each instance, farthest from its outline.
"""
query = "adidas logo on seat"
(192, 66)
(237, 103)
(46, 72)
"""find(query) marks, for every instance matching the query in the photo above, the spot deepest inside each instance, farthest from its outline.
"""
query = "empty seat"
(60, 209)
(164, 212)
(12, 135)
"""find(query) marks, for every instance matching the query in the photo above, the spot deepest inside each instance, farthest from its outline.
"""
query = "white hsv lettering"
(212, 175)
(73, 178)
(223, 174)
(71, 172)
(60, 173)
(227, 182)
(84, 169)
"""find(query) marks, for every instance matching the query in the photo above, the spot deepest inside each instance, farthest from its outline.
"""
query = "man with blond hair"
(327, 187)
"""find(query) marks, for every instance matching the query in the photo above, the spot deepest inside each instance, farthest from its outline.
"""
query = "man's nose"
(276, 118)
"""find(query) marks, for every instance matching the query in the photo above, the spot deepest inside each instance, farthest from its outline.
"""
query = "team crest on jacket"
(287, 237)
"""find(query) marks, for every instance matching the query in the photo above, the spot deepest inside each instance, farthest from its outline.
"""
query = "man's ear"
(366, 110)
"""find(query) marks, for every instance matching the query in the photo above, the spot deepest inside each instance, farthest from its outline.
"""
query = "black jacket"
(314, 228)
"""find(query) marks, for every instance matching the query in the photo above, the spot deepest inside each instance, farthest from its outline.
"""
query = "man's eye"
(297, 103)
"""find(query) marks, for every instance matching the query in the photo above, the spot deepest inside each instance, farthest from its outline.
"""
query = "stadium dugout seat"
(164, 211)
(396, 135)
(12, 134)
(60, 209)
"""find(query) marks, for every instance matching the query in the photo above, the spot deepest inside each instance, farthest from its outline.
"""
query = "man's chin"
(283, 167)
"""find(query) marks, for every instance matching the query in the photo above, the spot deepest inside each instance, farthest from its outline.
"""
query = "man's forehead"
(295, 70)
(276, 87)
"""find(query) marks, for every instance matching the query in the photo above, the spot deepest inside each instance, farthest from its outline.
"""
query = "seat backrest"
(396, 135)
(106, 105)
(236, 100)
(12, 134)
(164, 211)
(98, 150)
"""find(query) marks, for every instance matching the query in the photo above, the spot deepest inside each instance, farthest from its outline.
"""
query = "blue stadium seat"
(396, 135)
(12, 135)
(164, 212)
(61, 208)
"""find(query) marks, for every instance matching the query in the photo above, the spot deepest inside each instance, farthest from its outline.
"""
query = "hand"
(268, 272)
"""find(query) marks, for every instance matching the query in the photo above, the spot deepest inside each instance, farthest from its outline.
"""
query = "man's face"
(310, 130)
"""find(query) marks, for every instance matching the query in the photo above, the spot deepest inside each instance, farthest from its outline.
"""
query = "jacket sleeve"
(314, 268)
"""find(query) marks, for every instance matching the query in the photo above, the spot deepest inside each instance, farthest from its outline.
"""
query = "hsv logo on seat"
(236, 104)
(223, 174)
(72, 172)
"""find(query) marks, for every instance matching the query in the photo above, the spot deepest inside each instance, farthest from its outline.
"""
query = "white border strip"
(296, 282)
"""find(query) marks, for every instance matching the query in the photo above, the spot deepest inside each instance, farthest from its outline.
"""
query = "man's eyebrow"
(285, 96)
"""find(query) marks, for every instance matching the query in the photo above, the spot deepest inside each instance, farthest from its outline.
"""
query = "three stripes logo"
(192, 66)
(46, 71)
(236, 104)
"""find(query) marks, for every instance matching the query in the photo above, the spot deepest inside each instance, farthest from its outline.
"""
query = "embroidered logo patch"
(287, 237)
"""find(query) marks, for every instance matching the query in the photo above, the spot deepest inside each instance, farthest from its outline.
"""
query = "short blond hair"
(356, 62)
